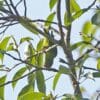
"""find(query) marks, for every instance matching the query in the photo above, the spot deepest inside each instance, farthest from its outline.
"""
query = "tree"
(39, 58)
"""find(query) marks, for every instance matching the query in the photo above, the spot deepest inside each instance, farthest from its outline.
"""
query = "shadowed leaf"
(52, 3)
(40, 81)
(17, 75)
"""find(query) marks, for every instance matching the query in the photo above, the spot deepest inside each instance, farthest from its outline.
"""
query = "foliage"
(40, 57)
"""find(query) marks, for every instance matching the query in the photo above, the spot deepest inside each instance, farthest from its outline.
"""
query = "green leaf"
(96, 74)
(40, 59)
(88, 31)
(74, 9)
(25, 90)
(50, 19)
(78, 14)
(17, 75)
(96, 19)
(4, 42)
(10, 47)
(87, 27)
(78, 44)
(64, 70)
(74, 6)
(70, 97)
(31, 80)
(55, 81)
(32, 60)
(42, 44)
(40, 81)
(67, 21)
(2, 80)
(1, 3)
(24, 39)
(25, 22)
(3, 46)
(52, 3)
(32, 96)
(98, 63)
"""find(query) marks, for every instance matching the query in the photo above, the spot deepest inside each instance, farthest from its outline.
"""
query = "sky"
(39, 9)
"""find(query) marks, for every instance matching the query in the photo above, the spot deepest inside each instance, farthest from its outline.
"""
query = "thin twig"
(18, 3)
(25, 12)
(38, 69)
(44, 21)
(88, 8)
(15, 66)
(14, 8)
(91, 68)
(6, 2)
(9, 24)
(49, 78)
(87, 52)
(43, 51)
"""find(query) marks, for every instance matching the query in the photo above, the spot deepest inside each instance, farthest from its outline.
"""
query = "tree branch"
(37, 69)
(68, 52)
(43, 51)
(87, 52)
(25, 12)
(59, 19)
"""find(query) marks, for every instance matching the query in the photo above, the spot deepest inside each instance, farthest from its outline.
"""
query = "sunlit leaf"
(74, 9)
(2, 80)
(78, 14)
(13, 46)
(17, 75)
(25, 90)
(88, 31)
(78, 44)
(32, 60)
(10, 47)
(40, 81)
(55, 81)
(87, 27)
(4, 42)
(3, 45)
(74, 6)
(52, 3)
(64, 70)
(42, 44)
(28, 55)
(32, 96)
(50, 19)
(98, 63)
(24, 39)
(41, 58)
(67, 20)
